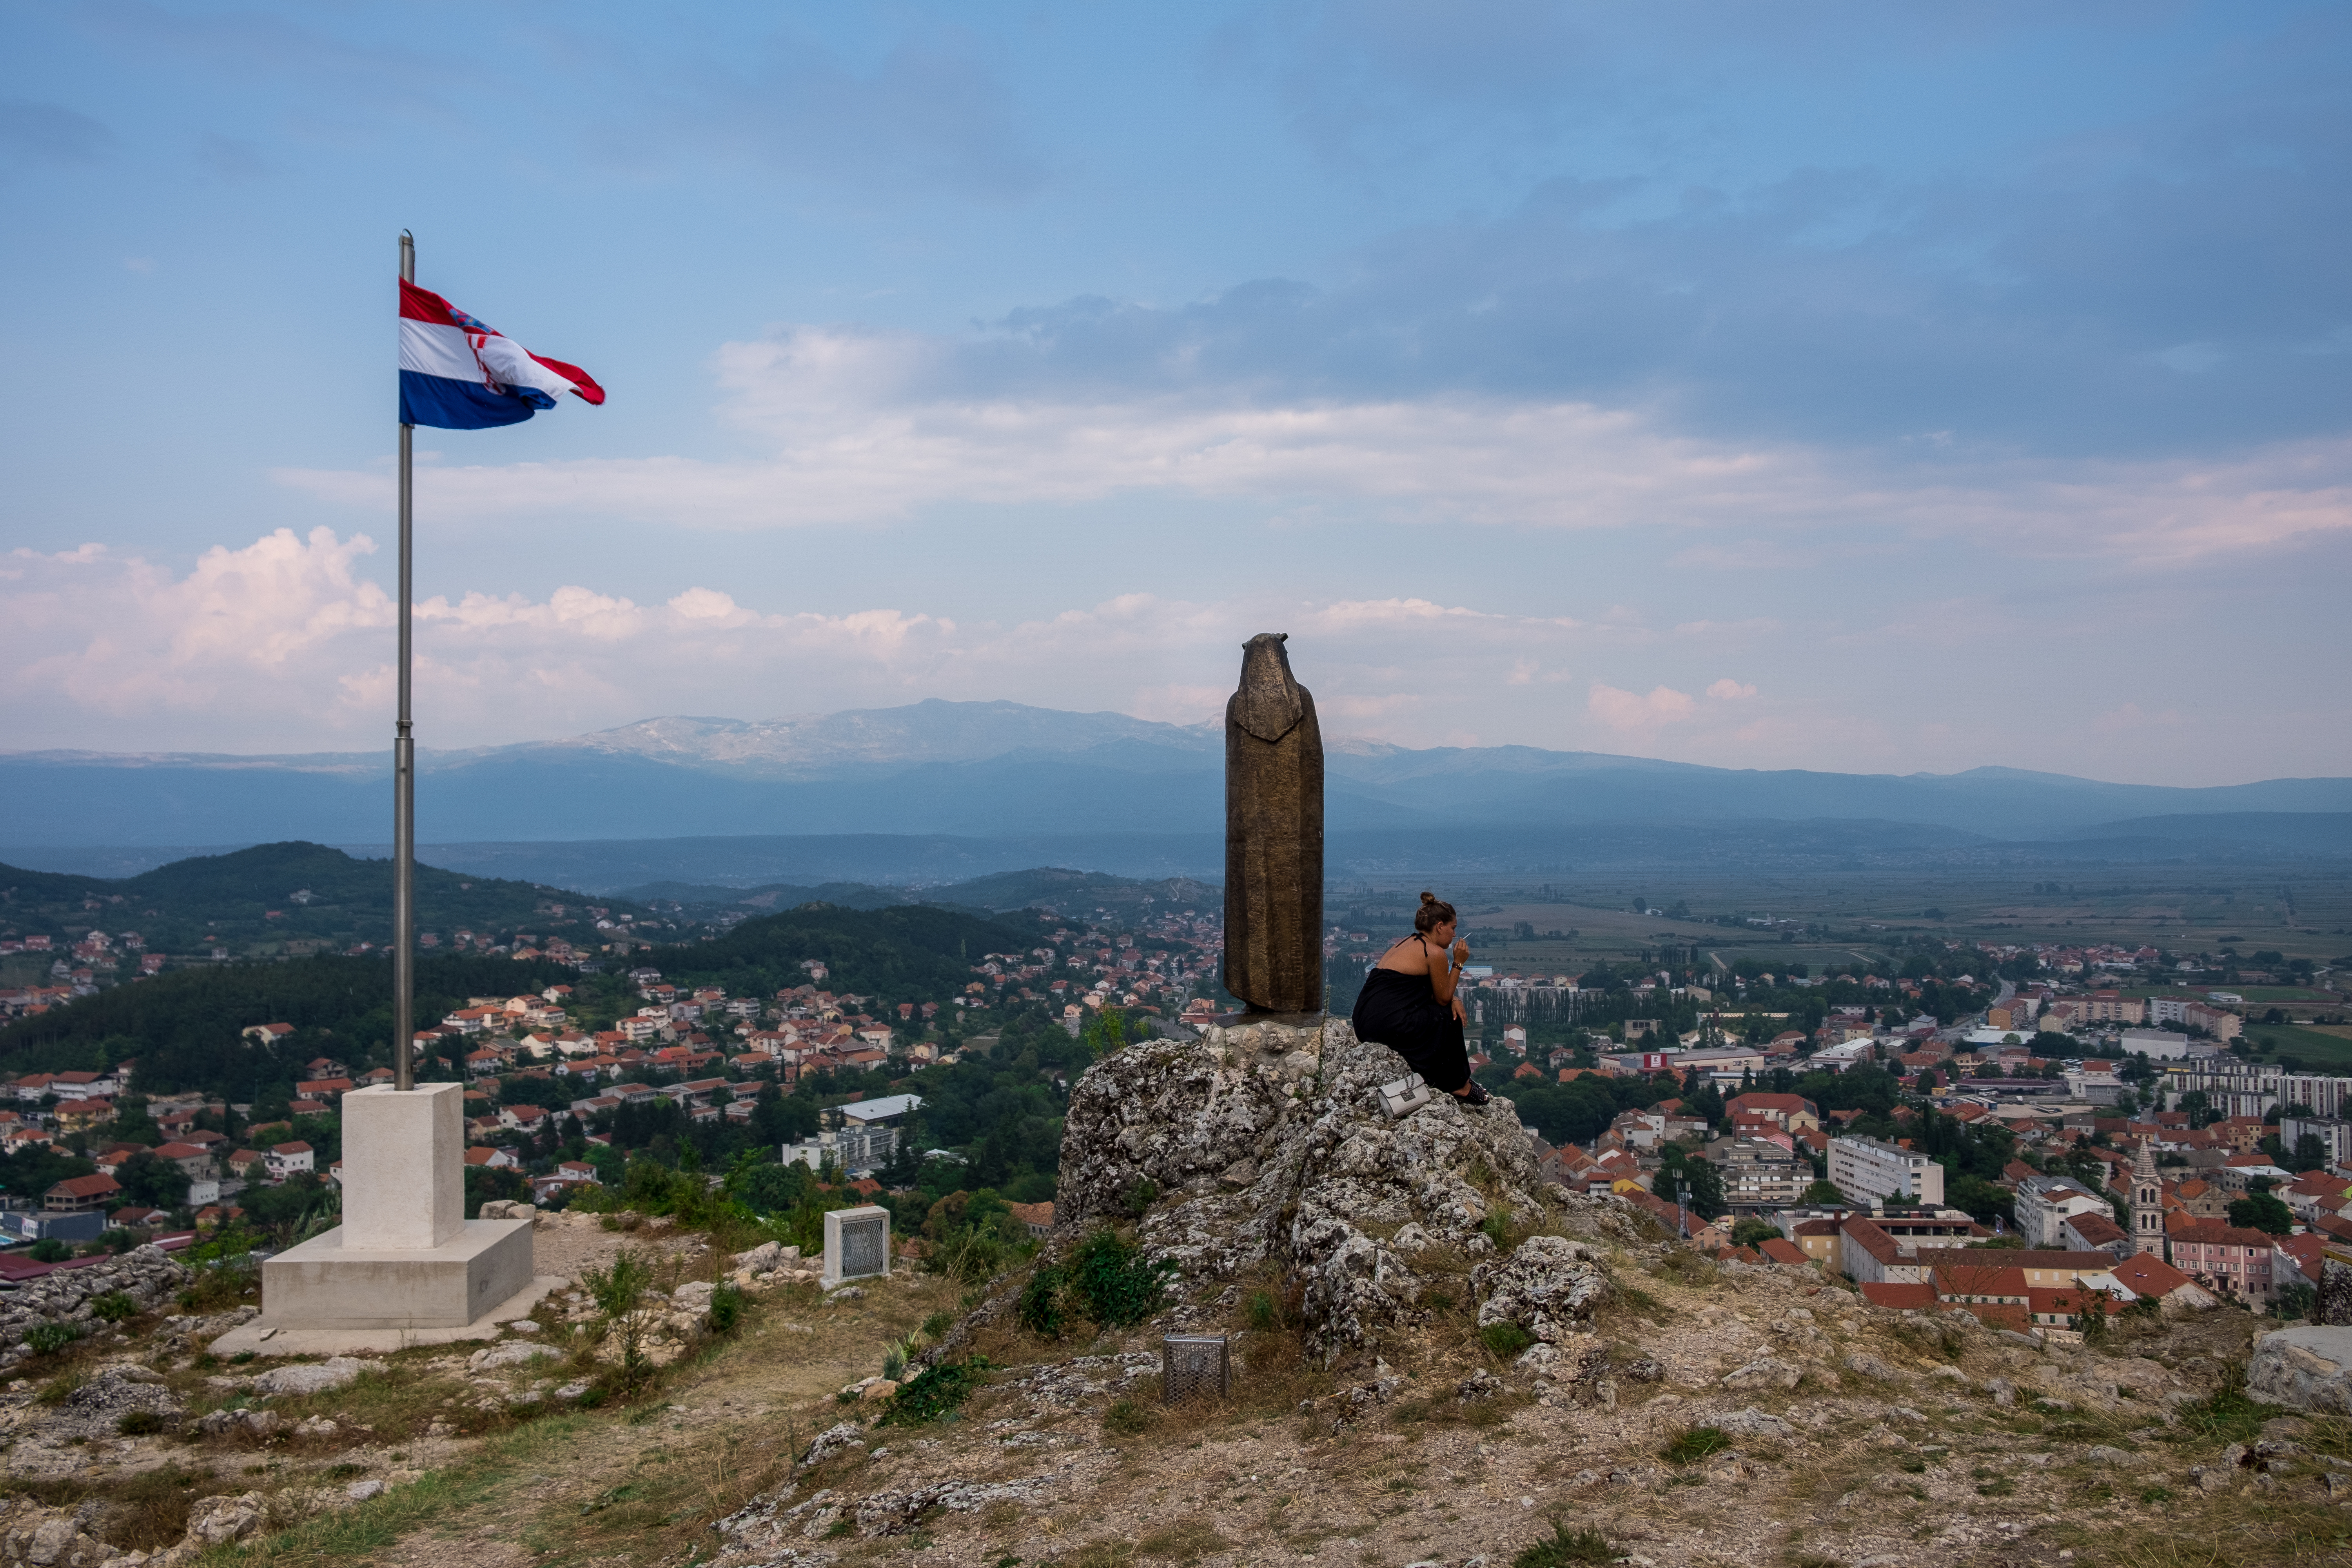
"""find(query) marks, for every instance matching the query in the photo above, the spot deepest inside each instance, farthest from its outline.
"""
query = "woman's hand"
(1461, 952)
(1459, 1017)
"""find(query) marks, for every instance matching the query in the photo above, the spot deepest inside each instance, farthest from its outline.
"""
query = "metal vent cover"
(1192, 1364)
(864, 1249)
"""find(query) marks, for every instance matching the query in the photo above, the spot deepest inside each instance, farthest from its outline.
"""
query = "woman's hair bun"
(1427, 897)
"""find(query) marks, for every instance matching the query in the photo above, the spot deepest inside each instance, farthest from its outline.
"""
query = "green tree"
(1679, 1167)
(2310, 1154)
(1826, 1192)
(152, 1182)
(1753, 1232)
(2261, 1211)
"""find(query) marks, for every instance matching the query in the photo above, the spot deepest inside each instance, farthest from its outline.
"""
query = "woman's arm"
(1445, 972)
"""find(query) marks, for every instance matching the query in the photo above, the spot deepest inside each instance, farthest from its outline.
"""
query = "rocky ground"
(1435, 1362)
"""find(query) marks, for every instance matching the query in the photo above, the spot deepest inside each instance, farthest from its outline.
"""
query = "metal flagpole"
(403, 772)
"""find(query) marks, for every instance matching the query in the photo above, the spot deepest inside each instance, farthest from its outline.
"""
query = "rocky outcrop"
(147, 1274)
(2303, 1369)
(1266, 1144)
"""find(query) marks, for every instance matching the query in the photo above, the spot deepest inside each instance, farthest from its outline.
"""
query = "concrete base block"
(322, 1284)
(264, 1341)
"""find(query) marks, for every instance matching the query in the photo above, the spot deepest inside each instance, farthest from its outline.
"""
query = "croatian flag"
(455, 374)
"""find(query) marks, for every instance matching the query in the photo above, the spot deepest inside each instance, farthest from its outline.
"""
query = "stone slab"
(265, 1341)
(324, 1284)
(2309, 1368)
(404, 1166)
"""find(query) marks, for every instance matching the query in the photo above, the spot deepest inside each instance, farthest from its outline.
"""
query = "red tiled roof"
(1901, 1296)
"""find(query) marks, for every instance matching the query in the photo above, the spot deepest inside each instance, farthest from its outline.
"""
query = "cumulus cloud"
(283, 644)
(1730, 690)
(1629, 713)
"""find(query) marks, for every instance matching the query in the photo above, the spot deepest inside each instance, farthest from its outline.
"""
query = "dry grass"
(1183, 1543)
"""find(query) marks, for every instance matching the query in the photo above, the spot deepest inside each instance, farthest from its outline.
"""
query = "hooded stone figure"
(1274, 835)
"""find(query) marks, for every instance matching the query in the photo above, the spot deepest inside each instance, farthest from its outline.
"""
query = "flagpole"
(404, 770)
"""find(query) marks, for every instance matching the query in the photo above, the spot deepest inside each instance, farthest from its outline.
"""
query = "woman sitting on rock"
(1409, 1005)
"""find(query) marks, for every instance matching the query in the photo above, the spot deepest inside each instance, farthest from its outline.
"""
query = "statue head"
(1270, 702)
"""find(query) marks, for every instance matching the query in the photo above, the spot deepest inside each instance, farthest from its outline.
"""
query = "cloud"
(870, 428)
(1627, 713)
(1728, 690)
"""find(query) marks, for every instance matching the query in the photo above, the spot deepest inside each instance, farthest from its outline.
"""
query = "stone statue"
(1274, 835)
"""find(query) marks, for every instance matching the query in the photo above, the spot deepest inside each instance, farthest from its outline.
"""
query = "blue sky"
(1826, 385)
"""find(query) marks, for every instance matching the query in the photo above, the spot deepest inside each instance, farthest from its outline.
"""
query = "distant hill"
(997, 770)
(284, 898)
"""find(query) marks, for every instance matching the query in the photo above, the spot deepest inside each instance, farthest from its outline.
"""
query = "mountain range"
(982, 774)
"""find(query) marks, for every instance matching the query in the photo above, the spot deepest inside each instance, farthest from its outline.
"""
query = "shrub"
(1263, 1311)
(1692, 1444)
(115, 1307)
(1506, 1339)
(1564, 1546)
(935, 1391)
(726, 1309)
(1039, 1309)
(139, 1423)
(48, 1339)
(1113, 1282)
(48, 1250)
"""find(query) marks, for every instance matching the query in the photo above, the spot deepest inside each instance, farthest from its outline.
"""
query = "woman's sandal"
(1475, 1095)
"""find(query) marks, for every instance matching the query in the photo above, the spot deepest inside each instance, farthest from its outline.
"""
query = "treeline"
(185, 1026)
(911, 953)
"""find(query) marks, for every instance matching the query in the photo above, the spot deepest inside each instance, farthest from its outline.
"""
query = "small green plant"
(2227, 1416)
(933, 1394)
(1128, 1417)
(938, 1323)
(897, 1353)
(1506, 1339)
(115, 1307)
(1564, 1546)
(1692, 1444)
(726, 1309)
(1140, 1198)
(2002, 1488)
(1262, 1311)
(57, 1390)
(48, 1250)
(619, 1291)
(2156, 1494)
(48, 1339)
(139, 1423)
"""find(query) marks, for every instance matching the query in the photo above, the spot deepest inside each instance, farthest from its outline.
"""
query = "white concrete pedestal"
(405, 1256)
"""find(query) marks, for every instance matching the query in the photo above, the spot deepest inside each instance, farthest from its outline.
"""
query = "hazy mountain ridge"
(996, 770)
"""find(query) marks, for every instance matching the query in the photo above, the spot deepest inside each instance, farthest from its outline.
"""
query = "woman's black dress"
(1402, 1013)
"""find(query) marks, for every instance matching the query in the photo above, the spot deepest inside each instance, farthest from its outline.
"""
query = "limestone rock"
(834, 1441)
(1548, 1287)
(1754, 1423)
(511, 1352)
(1297, 1107)
(1764, 1373)
(2307, 1368)
(96, 1409)
(310, 1377)
(1864, 1365)
(899, 1511)
(216, 1520)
